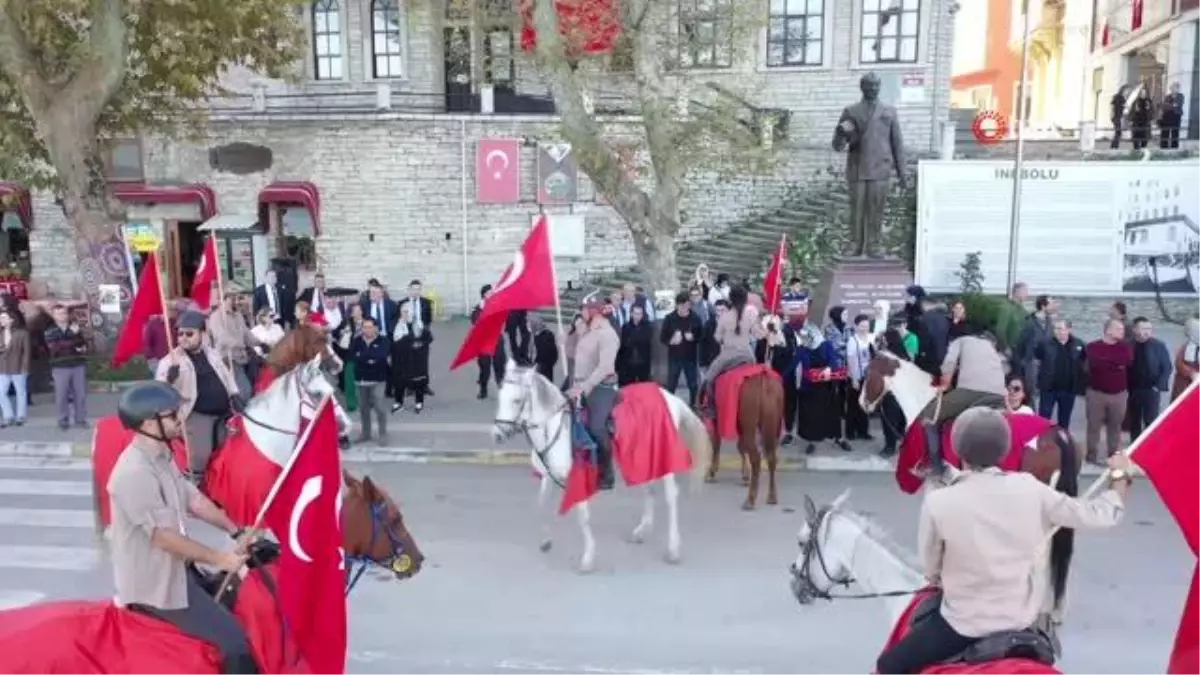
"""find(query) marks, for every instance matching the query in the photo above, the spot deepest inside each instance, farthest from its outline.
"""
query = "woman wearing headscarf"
(702, 279)
(1187, 359)
(410, 358)
(633, 358)
(545, 347)
(819, 371)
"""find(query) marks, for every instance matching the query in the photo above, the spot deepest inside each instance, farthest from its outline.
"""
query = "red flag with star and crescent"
(206, 275)
(773, 283)
(528, 283)
(498, 171)
(304, 517)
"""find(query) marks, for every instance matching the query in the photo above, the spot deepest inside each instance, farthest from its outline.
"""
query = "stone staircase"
(742, 251)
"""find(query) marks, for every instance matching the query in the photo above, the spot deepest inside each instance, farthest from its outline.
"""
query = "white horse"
(840, 548)
(530, 404)
(274, 418)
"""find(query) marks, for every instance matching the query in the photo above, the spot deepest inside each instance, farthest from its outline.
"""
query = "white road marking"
(11, 486)
(62, 558)
(36, 449)
(47, 517)
(18, 599)
(529, 666)
(48, 463)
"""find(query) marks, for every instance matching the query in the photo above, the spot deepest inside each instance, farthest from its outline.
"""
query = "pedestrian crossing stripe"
(58, 488)
(61, 558)
(67, 518)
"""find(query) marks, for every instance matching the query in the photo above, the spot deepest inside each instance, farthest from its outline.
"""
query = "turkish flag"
(304, 517)
(528, 283)
(1104, 35)
(498, 171)
(773, 284)
(206, 275)
(146, 303)
(1138, 9)
(1169, 454)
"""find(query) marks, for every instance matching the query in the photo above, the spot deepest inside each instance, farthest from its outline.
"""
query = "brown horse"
(759, 414)
(1050, 456)
(298, 346)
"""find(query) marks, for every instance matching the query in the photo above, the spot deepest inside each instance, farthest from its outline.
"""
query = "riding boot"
(933, 448)
(604, 460)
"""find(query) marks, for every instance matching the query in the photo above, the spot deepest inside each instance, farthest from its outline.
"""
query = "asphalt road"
(489, 601)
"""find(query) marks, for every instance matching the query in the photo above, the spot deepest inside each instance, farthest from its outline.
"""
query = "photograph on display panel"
(1161, 244)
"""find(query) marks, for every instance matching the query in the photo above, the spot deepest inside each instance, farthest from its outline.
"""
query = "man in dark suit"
(422, 312)
(314, 295)
(276, 297)
(378, 306)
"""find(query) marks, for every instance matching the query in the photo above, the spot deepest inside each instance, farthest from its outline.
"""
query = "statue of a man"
(870, 132)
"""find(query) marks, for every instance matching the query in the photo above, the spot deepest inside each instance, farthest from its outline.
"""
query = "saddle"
(261, 554)
(934, 418)
(1031, 643)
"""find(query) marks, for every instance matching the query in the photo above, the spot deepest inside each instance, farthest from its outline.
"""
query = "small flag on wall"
(498, 171)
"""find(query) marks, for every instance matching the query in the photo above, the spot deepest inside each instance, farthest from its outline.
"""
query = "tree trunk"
(95, 219)
(655, 249)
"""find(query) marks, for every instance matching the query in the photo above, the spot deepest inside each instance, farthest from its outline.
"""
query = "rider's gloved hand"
(172, 374)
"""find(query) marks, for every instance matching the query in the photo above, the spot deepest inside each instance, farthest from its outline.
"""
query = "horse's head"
(881, 373)
(823, 562)
(515, 402)
(374, 531)
(314, 385)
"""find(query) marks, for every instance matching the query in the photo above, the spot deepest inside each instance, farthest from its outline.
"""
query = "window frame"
(107, 150)
(861, 37)
(401, 31)
(337, 11)
(685, 30)
(807, 17)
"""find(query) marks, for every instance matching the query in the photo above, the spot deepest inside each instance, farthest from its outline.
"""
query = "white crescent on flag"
(496, 173)
(308, 494)
(514, 272)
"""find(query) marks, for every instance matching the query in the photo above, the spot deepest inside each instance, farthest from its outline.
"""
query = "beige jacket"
(984, 539)
(727, 335)
(186, 384)
(230, 335)
(596, 356)
(979, 366)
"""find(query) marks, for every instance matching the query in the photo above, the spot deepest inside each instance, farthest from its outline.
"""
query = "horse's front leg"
(547, 521)
(647, 522)
(671, 497)
(587, 562)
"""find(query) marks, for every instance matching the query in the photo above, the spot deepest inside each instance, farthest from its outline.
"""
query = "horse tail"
(1062, 545)
(770, 410)
(695, 436)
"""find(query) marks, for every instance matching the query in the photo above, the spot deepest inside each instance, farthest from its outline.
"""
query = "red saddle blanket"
(646, 445)
(1012, 666)
(914, 453)
(728, 391)
(98, 637)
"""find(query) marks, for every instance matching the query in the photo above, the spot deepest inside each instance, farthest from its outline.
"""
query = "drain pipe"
(462, 172)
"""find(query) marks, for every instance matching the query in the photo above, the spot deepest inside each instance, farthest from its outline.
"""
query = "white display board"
(1087, 228)
(568, 233)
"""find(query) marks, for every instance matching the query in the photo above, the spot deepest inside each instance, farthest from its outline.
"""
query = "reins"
(512, 427)
(812, 552)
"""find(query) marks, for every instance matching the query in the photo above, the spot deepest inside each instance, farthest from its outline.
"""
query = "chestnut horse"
(1051, 456)
(298, 346)
(759, 415)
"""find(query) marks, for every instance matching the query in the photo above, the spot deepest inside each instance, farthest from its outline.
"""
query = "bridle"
(307, 405)
(519, 425)
(398, 561)
(813, 557)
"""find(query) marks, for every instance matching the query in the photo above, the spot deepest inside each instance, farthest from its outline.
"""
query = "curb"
(402, 455)
(112, 387)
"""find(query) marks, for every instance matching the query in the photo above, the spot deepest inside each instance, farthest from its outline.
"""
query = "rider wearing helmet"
(595, 383)
(152, 554)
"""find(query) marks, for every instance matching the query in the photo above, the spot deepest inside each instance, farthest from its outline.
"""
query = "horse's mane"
(880, 535)
(300, 345)
(545, 393)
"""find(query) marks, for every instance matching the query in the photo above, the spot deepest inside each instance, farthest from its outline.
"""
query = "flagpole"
(301, 442)
(562, 335)
(212, 243)
(1137, 443)
(166, 320)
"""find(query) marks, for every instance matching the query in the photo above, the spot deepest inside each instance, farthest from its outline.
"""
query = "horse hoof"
(710, 478)
(745, 481)
(637, 537)
(544, 547)
(673, 558)
(772, 501)
(586, 568)
(748, 506)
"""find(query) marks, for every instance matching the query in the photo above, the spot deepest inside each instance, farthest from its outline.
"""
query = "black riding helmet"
(147, 401)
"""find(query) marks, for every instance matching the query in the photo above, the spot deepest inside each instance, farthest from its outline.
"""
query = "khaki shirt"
(148, 492)
(596, 355)
(979, 366)
(230, 335)
(984, 538)
(186, 384)
(735, 337)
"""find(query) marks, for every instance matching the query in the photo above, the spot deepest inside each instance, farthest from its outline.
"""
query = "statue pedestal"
(856, 283)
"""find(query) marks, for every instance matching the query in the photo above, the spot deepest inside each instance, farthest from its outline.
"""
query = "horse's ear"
(841, 499)
(350, 481)
(810, 508)
(369, 488)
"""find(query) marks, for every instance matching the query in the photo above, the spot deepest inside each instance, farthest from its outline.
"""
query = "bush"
(1003, 317)
(99, 369)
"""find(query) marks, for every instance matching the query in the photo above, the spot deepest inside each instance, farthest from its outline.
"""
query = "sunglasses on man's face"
(188, 333)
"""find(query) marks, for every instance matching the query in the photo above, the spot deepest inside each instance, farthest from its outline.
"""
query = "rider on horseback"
(152, 556)
(735, 332)
(596, 380)
(205, 383)
(979, 368)
(983, 539)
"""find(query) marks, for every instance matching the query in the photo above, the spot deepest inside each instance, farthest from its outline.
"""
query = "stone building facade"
(384, 124)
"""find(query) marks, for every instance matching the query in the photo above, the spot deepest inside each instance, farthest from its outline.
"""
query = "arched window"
(385, 39)
(327, 40)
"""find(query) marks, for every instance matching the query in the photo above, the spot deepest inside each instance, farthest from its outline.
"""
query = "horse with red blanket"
(840, 547)
(655, 437)
(1037, 446)
(748, 406)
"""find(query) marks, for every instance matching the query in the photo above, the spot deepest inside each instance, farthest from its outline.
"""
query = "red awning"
(196, 193)
(16, 197)
(294, 193)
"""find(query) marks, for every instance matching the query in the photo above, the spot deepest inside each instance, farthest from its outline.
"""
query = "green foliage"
(174, 54)
(1003, 317)
(970, 274)
(99, 369)
(900, 221)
